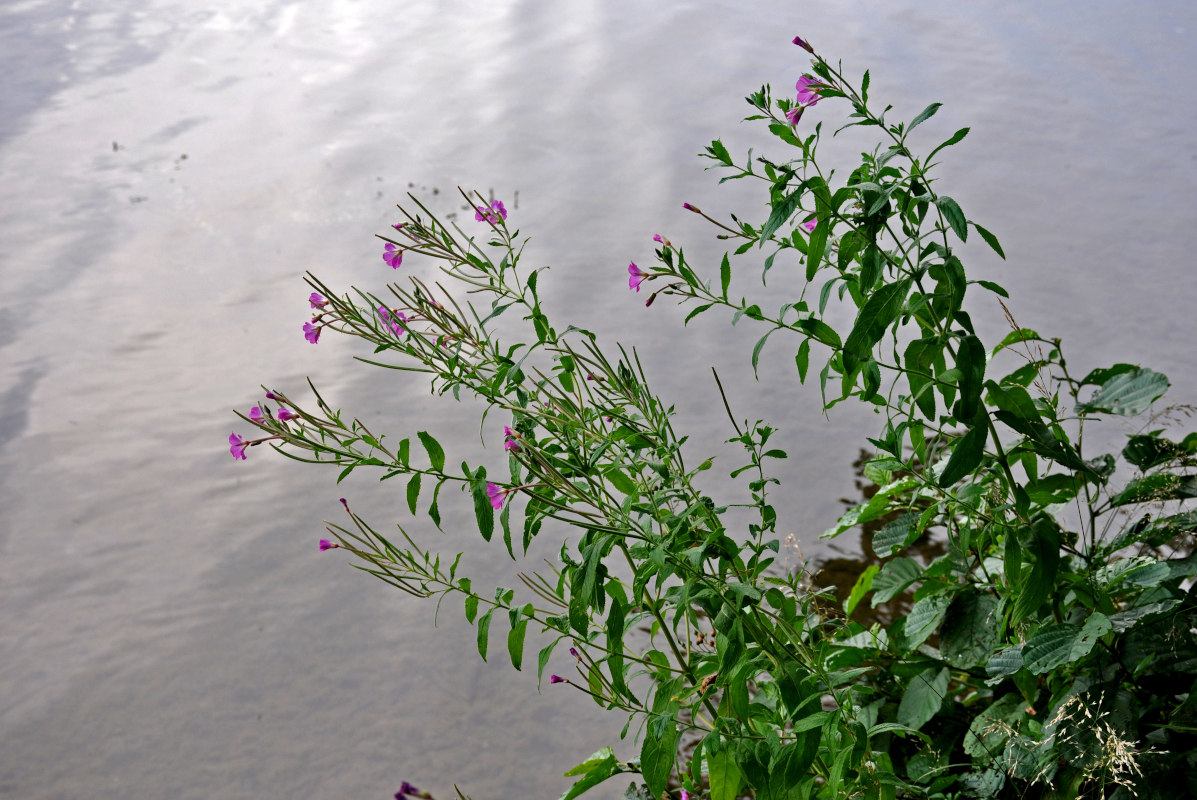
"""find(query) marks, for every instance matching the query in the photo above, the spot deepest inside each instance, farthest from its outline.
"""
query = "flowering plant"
(1048, 652)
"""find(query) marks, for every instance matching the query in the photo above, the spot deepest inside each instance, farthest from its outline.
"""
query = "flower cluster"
(808, 95)
(491, 214)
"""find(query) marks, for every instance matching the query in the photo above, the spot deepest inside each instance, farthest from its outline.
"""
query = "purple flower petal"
(636, 276)
(556, 679)
(311, 332)
(286, 415)
(237, 446)
(325, 544)
(496, 495)
(805, 45)
(317, 300)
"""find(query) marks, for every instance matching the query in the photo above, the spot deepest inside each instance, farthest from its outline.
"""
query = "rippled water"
(167, 172)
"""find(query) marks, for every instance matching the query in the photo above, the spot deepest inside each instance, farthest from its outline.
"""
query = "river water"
(168, 171)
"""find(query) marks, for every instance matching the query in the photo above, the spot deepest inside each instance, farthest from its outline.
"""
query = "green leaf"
(802, 360)
(1126, 392)
(782, 211)
(986, 737)
(484, 632)
(923, 697)
(484, 512)
(436, 455)
(897, 535)
(882, 501)
(515, 640)
(920, 358)
(1160, 487)
(820, 330)
(924, 115)
(968, 451)
(658, 752)
(970, 629)
(596, 769)
(1054, 645)
(954, 216)
(725, 275)
(816, 246)
(882, 308)
(863, 584)
(955, 138)
(990, 240)
(923, 619)
(894, 578)
(725, 777)
(719, 151)
(970, 360)
(542, 659)
(413, 492)
(1044, 550)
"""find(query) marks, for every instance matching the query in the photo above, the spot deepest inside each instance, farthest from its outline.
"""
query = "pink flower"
(286, 415)
(311, 332)
(317, 301)
(255, 414)
(237, 446)
(807, 97)
(393, 322)
(392, 255)
(637, 276)
(689, 207)
(483, 213)
(661, 240)
(496, 495)
(556, 679)
(810, 224)
(511, 442)
(798, 40)
(325, 544)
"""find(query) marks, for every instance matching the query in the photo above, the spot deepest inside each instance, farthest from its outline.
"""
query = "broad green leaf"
(970, 360)
(970, 629)
(895, 577)
(875, 507)
(923, 697)
(1056, 644)
(1159, 487)
(658, 752)
(1147, 451)
(882, 308)
(897, 535)
(954, 216)
(968, 451)
(1044, 551)
(1003, 663)
(596, 769)
(987, 736)
(725, 777)
(1126, 393)
(923, 619)
(436, 455)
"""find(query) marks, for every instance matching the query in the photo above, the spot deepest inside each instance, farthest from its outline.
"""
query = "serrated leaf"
(1126, 392)
(782, 211)
(894, 578)
(990, 240)
(658, 752)
(923, 619)
(1003, 663)
(954, 216)
(923, 697)
(436, 455)
(924, 115)
(970, 629)
(897, 535)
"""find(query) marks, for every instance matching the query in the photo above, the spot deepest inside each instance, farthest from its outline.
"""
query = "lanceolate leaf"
(968, 451)
(954, 216)
(436, 455)
(874, 317)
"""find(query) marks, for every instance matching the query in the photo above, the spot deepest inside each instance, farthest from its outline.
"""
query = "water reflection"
(169, 627)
